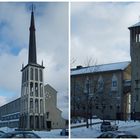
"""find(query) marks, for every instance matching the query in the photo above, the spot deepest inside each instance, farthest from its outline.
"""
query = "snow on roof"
(135, 25)
(100, 68)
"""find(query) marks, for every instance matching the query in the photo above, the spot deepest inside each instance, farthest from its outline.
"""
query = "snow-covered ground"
(83, 132)
(50, 134)
(43, 134)
(94, 131)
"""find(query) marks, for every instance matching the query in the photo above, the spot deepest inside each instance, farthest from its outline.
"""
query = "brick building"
(102, 90)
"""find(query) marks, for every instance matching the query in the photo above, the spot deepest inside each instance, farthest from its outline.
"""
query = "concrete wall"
(54, 114)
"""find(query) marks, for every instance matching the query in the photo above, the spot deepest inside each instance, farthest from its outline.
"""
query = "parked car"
(64, 132)
(107, 126)
(20, 134)
(1, 133)
(117, 134)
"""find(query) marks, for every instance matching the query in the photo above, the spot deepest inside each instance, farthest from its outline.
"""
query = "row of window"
(35, 89)
(36, 103)
(78, 107)
(11, 117)
(38, 75)
(11, 124)
(100, 84)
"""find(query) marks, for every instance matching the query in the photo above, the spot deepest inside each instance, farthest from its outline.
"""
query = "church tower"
(135, 73)
(32, 113)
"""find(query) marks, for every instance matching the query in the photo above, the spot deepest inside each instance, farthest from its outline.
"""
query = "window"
(86, 86)
(36, 106)
(31, 105)
(100, 84)
(36, 74)
(114, 86)
(31, 73)
(31, 89)
(47, 115)
(41, 106)
(36, 89)
(41, 90)
(40, 75)
(114, 83)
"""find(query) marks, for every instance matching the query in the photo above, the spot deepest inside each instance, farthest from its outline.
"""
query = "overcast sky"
(100, 31)
(51, 21)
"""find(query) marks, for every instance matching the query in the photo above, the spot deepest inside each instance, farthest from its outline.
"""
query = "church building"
(36, 109)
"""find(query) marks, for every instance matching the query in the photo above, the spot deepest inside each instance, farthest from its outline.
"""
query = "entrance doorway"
(49, 125)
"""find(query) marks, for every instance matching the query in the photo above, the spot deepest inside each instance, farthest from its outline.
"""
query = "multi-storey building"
(101, 90)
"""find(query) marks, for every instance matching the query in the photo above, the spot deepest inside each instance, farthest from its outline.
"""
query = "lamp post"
(118, 107)
(87, 101)
(134, 111)
(91, 99)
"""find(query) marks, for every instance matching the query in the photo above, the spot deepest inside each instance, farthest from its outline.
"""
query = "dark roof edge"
(73, 69)
(31, 64)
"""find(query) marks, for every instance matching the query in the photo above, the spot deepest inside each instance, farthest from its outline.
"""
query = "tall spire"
(32, 40)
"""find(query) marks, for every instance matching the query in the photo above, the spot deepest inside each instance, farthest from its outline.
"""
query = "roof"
(33, 64)
(101, 68)
(135, 25)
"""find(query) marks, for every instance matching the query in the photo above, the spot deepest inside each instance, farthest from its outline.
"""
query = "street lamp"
(134, 111)
(118, 107)
(87, 101)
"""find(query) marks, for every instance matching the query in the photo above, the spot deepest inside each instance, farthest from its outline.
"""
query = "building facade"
(135, 62)
(36, 109)
(10, 113)
(102, 91)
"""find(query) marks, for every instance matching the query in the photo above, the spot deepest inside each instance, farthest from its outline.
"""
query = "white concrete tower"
(32, 115)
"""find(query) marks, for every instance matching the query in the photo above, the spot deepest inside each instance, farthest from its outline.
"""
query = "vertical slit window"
(36, 74)
(31, 104)
(36, 106)
(41, 106)
(31, 89)
(31, 73)
(41, 90)
(36, 89)
(40, 72)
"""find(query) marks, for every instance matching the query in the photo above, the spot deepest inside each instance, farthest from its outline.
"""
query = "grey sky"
(100, 30)
(51, 21)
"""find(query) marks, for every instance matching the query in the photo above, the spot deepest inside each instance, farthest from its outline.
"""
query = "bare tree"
(91, 67)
